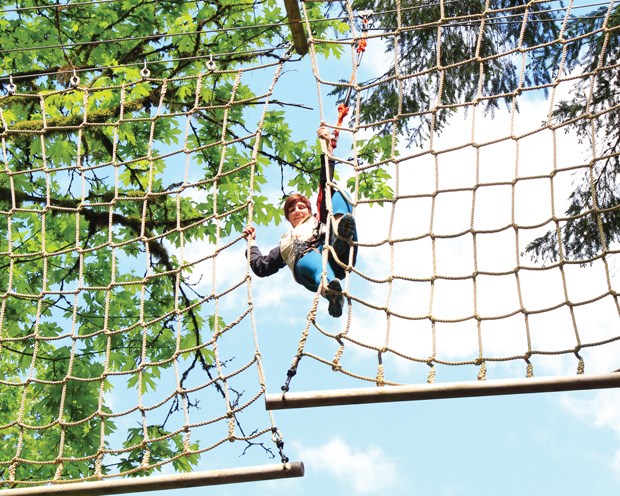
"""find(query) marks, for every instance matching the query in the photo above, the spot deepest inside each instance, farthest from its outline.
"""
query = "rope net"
(123, 343)
(124, 347)
(474, 261)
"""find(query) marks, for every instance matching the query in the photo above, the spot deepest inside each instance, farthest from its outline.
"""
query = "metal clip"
(11, 88)
(144, 72)
(211, 65)
(365, 16)
(277, 439)
(75, 80)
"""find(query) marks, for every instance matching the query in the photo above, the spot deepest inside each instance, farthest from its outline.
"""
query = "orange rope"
(361, 46)
(343, 111)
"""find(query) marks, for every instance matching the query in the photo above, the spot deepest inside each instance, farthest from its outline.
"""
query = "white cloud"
(615, 464)
(363, 471)
(600, 409)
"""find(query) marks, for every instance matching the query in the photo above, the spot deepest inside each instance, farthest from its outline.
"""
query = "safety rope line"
(343, 107)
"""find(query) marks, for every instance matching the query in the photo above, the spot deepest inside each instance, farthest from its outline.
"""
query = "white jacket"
(289, 243)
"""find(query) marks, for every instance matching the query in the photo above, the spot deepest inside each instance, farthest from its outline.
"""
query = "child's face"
(297, 213)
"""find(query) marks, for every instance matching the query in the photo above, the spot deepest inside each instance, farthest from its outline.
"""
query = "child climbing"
(302, 246)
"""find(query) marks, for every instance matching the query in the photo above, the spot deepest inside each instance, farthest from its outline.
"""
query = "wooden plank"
(297, 28)
(172, 481)
(440, 391)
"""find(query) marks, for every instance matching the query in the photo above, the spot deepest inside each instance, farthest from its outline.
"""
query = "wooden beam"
(172, 481)
(297, 28)
(440, 391)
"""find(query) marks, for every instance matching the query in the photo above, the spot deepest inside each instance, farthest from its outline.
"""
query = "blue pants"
(309, 268)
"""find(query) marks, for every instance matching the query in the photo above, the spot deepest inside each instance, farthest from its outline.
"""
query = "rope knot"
(343, 111)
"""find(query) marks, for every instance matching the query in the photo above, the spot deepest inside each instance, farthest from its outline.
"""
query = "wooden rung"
(440, 391)
(171, 481)
(297, 28)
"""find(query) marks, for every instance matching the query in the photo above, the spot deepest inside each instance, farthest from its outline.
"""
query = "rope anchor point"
(145, 73)
(75, 80)
(11, 88)
(211, 65)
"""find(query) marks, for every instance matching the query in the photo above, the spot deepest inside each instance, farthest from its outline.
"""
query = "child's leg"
(308, 271)
(346, 233)
(309, 268)
(340, 204)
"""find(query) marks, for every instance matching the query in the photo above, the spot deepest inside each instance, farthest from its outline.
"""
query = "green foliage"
(163, 445)
(592, 219)
(374, 184)
(457, 51)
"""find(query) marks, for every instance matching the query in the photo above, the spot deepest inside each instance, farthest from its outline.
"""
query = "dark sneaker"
(347, 231)
(335, 298)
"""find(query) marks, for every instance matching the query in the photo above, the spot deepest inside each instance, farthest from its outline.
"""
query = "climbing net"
(124, 348)
(487, 250)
